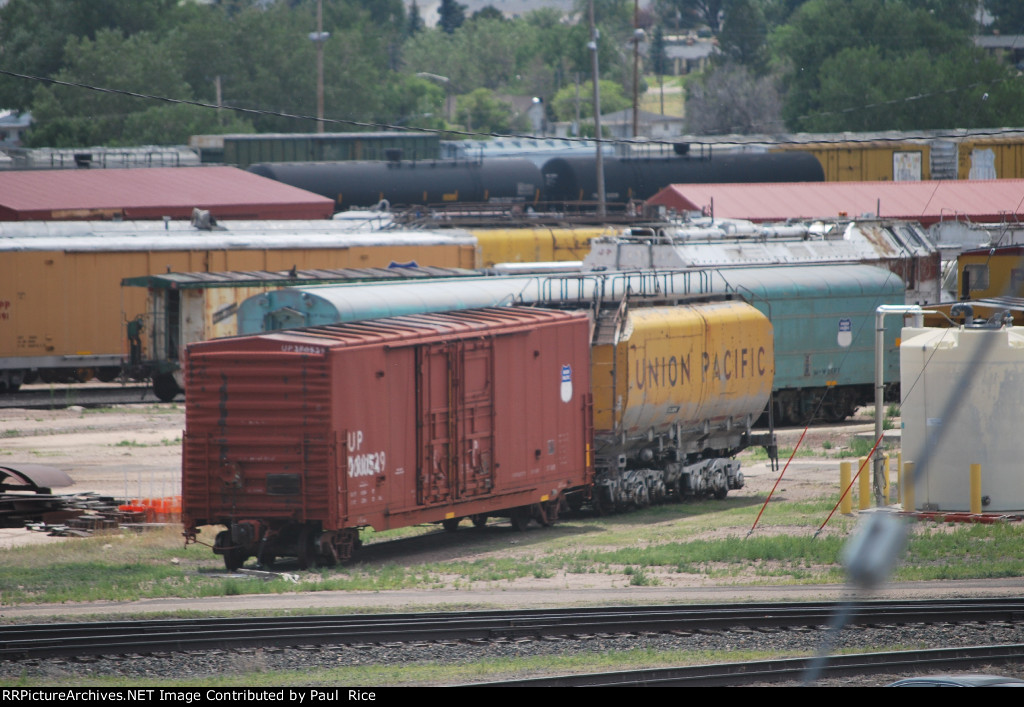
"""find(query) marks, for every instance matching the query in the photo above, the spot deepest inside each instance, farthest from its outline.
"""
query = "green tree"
(863, 90)
(565, 101)
(482, 111)
(70, 116)
(388, 14)
(744, 35)
(657, 55)
(821, 30)
(480, 54)
(1008, 14)
(411, 101)
(689, 13)
(778, 12)
(266, 62)
(488, 12)
(415, 24)
(34, 33)
(451, 15)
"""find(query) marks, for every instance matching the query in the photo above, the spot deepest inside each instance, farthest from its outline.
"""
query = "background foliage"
(821, 65)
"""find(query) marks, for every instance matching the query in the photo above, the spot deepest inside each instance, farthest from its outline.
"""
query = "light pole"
(638, 35)
(318, 38)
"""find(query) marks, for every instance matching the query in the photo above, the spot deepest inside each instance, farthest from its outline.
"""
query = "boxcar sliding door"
(455, 398)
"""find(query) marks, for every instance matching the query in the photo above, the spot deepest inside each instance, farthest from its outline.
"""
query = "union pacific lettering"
(670, 371)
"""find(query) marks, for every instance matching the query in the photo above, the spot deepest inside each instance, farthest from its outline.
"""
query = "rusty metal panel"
(437, 418)
(389, 422)
(258, 436)
(32, 477)
(455, 389)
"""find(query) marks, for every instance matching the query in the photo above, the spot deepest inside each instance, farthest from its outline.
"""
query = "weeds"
(857, 447)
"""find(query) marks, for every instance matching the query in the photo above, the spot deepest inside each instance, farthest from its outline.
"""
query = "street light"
(318, 38)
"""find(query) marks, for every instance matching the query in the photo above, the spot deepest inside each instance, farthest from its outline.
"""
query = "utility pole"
(637, 33)
(592, 45)
(318, 38)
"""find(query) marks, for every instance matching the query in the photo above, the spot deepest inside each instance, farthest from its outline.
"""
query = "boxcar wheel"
(165, 387)
(107, 373)
(234, 557)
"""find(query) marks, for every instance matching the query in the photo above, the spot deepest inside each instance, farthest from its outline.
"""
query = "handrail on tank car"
(613, 286)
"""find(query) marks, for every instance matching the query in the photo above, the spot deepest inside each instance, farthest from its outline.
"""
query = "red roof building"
(927, 202)
(152, 193)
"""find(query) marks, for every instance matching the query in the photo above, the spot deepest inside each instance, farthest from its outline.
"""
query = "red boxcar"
(294, 440)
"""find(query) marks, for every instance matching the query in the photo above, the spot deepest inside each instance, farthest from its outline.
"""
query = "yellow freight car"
(536, 244)
(63, 311)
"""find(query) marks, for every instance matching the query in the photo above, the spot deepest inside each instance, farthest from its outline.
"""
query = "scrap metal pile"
(27, 501)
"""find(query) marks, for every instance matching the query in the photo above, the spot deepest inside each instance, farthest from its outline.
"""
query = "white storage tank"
(982, 427)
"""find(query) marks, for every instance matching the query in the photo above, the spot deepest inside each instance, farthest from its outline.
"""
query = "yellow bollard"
(845, 474)
(885, 484)
(976, 489)
(864, 497)
(907, 486)
(899, 477)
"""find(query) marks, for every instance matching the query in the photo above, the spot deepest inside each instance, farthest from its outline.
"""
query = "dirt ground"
(123, 451)
(135, 452)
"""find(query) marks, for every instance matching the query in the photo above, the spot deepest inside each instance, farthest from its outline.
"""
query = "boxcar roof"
(413, 327)
(153, 193)
(927, 202)
(289, 278)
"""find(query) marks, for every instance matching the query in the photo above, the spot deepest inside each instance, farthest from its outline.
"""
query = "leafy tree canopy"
(565, 101)
(862, 90)
(451, 15)
(482, 111)
(1008, 15)
(68, 116)
(823, 32)
(690, 13)
(744, 35)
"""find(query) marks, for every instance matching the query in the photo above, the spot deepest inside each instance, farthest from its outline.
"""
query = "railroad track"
(41, 397)
(789, 670)
(40, 641)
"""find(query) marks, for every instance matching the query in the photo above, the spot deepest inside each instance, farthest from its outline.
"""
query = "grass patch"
(857, 447)
(642, 548)
(761, 454)
(970, 551)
